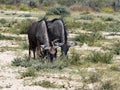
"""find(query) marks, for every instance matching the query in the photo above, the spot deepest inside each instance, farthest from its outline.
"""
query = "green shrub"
(115, 68)
(40, 63)
(96, 57)
(3, 37)
(116, 48)
(72, 24)
(108, 10)
(94, 26)
(107, 18)
(3, 21)
(27, 15)
(24, 8)
(46, 84)
(87, 17)
(75, 58)
(21, 27)
(90, 39)
(107, 85)
(63, 11)
(10, 7)
(25, 45)
(30, 72)
(113, 27)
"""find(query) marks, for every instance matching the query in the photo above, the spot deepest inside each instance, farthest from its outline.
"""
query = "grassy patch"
(63, 11)
(3, 37)
(90, 39)
(46, 84)
(39, 64)
(87, 17)
(30, 72)
(96, 57)
(107, 85)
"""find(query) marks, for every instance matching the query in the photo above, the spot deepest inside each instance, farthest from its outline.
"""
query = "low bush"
(115, 68)
(40, 63)
(94, 26)
(24, 8)
(96, 57)
(107, 85)
(90, 39)
(116, 48)
(87, 17)
(75, 58)
(63, 11)
(107, 10)
(113, 27)
(3, 21)
(3, 37)
(107, 18)
(46, 84)
(73, 24)
(21, 27)
(30, 72)
(43, 63)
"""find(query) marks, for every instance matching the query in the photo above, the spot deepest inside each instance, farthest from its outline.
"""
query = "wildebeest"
(57, 31)
(38, 38)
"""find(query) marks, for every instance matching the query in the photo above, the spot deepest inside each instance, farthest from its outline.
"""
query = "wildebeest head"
(65, 47)
(50, 52)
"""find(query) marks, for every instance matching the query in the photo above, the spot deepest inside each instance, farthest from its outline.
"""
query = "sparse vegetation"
(90, 39)
(40, 63)
(30, 72)
(92, 21)
(103, 57)
(46, 84)
(63, 11)
(116, 48)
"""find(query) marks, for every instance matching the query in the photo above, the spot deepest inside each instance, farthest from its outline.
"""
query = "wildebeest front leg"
(29, 53)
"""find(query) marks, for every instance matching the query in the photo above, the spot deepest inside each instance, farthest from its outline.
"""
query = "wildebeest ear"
(70, 44)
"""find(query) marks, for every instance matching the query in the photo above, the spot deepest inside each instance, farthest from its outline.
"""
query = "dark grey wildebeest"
(57, 31)
(38, 38)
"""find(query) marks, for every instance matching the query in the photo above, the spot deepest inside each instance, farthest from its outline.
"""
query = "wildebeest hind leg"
(34, 53)
(29, 53)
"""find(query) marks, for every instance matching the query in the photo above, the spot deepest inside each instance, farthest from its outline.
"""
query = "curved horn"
(53, 42)
(45, 47)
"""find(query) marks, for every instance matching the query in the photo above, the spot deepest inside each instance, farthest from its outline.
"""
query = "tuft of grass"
(58, 11)
(46, 84)
(87, 17)
(94, 77)
(30, 72)
(94, 26)
(115, 68)
(107, 85)
(96, 57)
(25, 45)
(90, 39)
(116, 48)
(21, 27)
(91, 77)
(75, 58)
(113, 27)
(39, 64)
(3, 37)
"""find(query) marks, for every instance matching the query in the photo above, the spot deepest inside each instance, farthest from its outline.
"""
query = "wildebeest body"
(57, 30)
(37, 35)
